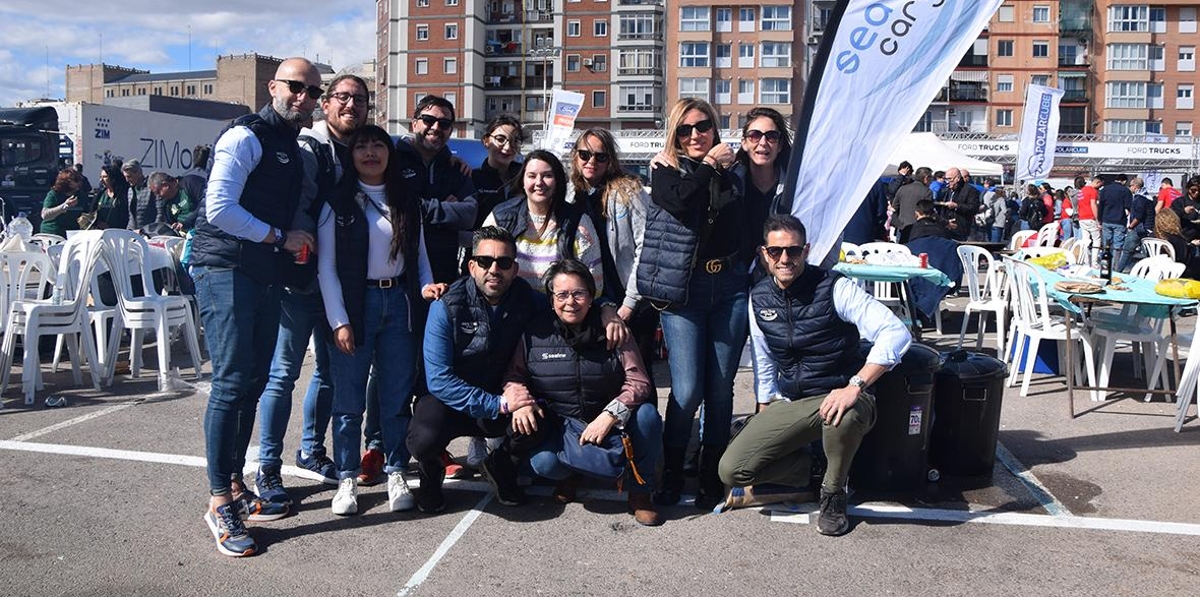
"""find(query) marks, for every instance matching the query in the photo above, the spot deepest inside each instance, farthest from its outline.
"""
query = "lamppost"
(547, 55)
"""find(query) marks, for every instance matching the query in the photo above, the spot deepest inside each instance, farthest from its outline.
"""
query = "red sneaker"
(454, 470)
(372, 468)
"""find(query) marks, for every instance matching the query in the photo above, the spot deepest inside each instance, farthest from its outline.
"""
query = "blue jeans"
(1067, 228)
(704, 340)
(372, 435)
(997, 234)
(388, 336)
(301, 317)
(1113, 236)
(241, 321)
(1132, 247)
(645, 429)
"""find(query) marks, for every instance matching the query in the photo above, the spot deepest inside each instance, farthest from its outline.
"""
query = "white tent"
(925, 149)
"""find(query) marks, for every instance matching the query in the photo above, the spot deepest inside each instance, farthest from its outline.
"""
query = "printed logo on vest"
(553, 356)
(768, 314)
(468, 327)
(282, 156)
(408, 173)
(344, 221)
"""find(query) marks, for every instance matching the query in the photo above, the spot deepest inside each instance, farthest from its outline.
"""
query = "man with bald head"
(242, 244)
(961, 202)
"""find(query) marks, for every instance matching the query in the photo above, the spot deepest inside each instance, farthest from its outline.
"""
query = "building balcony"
(497, 18)
(637, 2)
(1073, 62)
(962, 93)
(974, 60)
(1074, 96)
(638, 108)
(1075, 18)
(639, 36)
(650, 71)
(500, 48)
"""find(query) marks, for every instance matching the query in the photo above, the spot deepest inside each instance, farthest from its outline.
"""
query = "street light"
(547, 55)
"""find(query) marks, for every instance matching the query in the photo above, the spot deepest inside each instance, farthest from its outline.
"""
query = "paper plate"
(1078, 287)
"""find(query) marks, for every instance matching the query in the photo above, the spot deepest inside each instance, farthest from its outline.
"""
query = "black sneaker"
(832, 520)
(501, 474)
(429, 495)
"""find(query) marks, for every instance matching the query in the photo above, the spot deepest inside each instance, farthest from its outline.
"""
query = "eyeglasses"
(755, 135)
(575, 296)
(502, 140)
(685, 130)
(344, 98)
(585, 156)
(502, 263)
(793, 252)
(297, 87)
(431, 120)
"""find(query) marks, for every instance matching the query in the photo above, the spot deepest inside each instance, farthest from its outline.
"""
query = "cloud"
(154, 35)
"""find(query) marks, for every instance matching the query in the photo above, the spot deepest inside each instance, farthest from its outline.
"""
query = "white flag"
(878, 67)
(1039, 133)
(564, 108)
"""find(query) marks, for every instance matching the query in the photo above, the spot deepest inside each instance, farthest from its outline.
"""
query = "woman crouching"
(592, 395)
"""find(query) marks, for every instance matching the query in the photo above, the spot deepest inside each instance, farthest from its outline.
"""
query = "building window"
(451, 30)
(422, 32)
(573, 63)
(124, 93)
(174, 91)
(451, 2)
(1183, 129)
(776, 91)
(725, 122)
(1004, 83)
(1187, 19)
(724, 20)
(1187, 58)
(693, 87)
(208, 89)
(1041, 14)
(1004, 48)
(1125, 127)
(574, 29)
(1041, 49)
(157, 91)
(422, 3)
(721, 94)
(776, 55)
(1004, 118)
(1154, 96)
(450, 66)
(1043, 80)
(191, 90)
(724, 55)
(693, 18)
(1153, 127)
(637, 98)
(1158, 60)
(599, 63)
(599, 99)
(600, 28)
(1005, 14)
(1125, 94)
(422, 67)
(1127, 57)
(1184, 96)
(776, 18)
(1128, 17)
(639, 62)
(693, 54)
(108, 93)
(746, 19)
(745, 91)
(1158, 19)
(638, 27)
(746, 55)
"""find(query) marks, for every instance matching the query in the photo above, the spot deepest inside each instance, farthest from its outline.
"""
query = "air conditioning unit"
(587, 61)
(814, 39)
(490, 50)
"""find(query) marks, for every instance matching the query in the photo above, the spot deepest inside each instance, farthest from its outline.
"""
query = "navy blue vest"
(814, 349)
(483, 342)
(271, 194)
(574, 382)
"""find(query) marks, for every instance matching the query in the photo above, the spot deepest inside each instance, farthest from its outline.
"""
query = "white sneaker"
(346, 500)
(477, 450)
(399, 497)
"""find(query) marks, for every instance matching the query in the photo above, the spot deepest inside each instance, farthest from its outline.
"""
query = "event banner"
(878, 67)
(1039, 133)
(564, 108)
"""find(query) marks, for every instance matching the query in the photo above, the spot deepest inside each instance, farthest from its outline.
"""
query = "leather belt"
(385, 283)
(716, 265)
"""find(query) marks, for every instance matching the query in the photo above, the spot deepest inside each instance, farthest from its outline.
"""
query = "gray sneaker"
(832, 520)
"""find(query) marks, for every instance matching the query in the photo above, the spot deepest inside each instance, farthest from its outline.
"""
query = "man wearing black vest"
(470, 337)
(805, 323)
(242, 241)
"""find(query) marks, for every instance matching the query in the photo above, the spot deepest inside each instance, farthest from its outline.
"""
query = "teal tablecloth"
(891, 273)
(1141, 292)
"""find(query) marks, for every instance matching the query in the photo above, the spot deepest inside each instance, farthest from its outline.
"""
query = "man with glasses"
(812, 382)
(243, 240)
(444, 188)
(470, 337)
(326, 157)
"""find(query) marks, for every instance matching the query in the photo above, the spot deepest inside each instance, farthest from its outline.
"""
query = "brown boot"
(642, 508)
(564, 491)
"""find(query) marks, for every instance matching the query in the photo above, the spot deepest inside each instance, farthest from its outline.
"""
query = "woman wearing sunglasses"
(694, 266)
(367, 268)
(761, 165)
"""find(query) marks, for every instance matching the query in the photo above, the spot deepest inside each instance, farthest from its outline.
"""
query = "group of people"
(516, 302)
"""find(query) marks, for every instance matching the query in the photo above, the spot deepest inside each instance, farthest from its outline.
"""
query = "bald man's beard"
(289, 113)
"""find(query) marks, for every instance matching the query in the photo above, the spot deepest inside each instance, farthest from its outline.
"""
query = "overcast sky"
(153, 35)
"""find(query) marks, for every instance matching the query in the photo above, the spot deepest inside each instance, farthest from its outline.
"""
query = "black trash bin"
(894, 455)
(970, 389)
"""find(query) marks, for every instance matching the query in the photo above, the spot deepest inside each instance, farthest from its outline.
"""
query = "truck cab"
(28, 158)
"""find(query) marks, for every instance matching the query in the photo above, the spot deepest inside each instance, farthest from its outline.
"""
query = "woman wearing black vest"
(494, 177)
(694, 266)
(564, 361)
(368, 272)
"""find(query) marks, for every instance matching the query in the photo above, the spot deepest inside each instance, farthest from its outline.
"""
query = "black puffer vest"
(814, 349)
(484, 340)
(575, 382)
(271, 194)
(513, 216)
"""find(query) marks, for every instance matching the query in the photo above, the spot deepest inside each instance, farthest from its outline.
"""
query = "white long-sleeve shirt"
(876, 323)
(235, 156)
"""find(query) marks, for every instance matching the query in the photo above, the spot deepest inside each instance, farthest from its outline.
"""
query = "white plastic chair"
(986, 295)
(1033, 323)
(1031, 252)
(127, 254)
(1047, 235)
(1018, 239)
(62, 314)
(1189, 381)
(45, 240)
(891, 294)
(1157, 246)
(29, 275)
(1151, 332)
(851, 249)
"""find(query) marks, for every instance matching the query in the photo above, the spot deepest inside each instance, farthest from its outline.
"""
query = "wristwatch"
(858, 382)
(280, 239)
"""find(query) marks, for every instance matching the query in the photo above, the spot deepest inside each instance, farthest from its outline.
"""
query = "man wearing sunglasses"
(805, 323)
(243, 240)
(470, 336)
(443, 186)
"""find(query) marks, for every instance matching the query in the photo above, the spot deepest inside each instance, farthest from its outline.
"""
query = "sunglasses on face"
(297, 87)
(344, 98)
(502, 140)
(502, 263)
(755, 135)
(585, 156)
(793, 252)
(575, 296)
(685, 130)
(430, 120)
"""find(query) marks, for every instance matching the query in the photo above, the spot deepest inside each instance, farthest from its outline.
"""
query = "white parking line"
(1032, 484)
(69, 422)
(459, 530)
